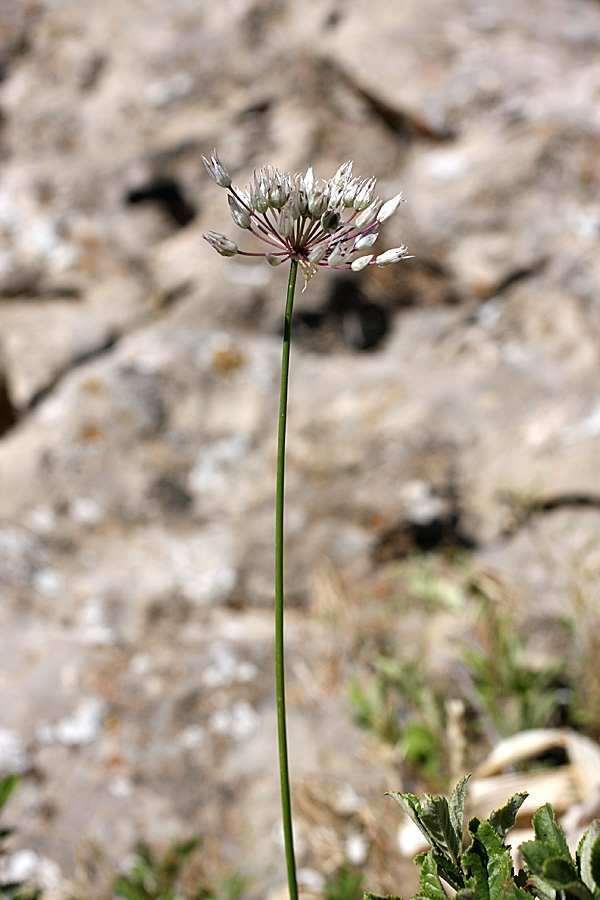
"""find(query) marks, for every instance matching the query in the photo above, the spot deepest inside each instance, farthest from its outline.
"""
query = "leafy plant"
(484, 870)
(12, 890)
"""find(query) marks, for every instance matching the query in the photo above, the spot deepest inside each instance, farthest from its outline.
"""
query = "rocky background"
(139, 380)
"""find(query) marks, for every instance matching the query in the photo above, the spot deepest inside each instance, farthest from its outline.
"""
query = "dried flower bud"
(389, 208)
(391, 256)
(221, 243)
(217, 170)
(239, 213)
(330, 221)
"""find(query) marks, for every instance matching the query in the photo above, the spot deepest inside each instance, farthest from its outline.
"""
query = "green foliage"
(483, 870)
(514, 694)
(346, 885)
(406, 684)
(12, 890)
(154, 877)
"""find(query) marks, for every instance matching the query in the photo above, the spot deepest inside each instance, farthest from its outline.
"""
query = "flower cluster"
(318, 223)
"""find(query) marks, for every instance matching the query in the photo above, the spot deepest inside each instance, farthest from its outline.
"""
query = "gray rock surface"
(141, 371)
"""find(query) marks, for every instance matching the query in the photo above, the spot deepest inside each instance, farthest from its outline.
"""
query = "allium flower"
(318, 223)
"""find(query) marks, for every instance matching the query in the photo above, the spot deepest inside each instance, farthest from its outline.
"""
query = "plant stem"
(284, 777)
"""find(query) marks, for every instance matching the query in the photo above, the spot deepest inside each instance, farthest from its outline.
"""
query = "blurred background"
(443, 495)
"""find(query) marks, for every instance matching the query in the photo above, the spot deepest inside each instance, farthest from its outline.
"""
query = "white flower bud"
(217, 170)
(239, 213)
(221, 243)
(364, 241)
(389, 208)
(343, 174)
(365, 194)
(317, 203)
(338, 254)
(317, 255)
(273, 260)
(368, 216)
(391, 256)
(361, 262)
(284, 224)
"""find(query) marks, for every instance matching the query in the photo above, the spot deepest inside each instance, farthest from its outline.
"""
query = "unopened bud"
(391, 256)
(343, 174)
(217, 170)
(239, 213)
(364, 241)
(365, 194)
(389, 208)
(361, 262)
(317, 203)
(368, 216)
(221, 243)
(273, 260)
(317, 255)
(285, 222)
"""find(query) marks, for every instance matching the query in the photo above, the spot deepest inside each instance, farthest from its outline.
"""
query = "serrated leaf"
(449, 870)
(548, 832)
(475, 869)
(369, 896)
(535, 854)
(502, 820)
(431, 886)
(589, 843)
(457, 809)
(595, 858)
(412, 807)
(561, 874)
(499, 862)
(435, 816)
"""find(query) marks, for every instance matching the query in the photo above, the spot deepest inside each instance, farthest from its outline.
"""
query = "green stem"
(279, 642)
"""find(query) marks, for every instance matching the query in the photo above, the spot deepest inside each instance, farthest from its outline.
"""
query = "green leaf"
(588, 856)
(548, 832)
(431, 886)
(499, 862)
(369, 896)
(595, 861)
(477, 875)
(435, 816)
(502, 820)
(412, 807)
(7, 786)
(457, 809)
(561, 874)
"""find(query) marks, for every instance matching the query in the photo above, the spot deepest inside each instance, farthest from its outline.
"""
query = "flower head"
(318, 223)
